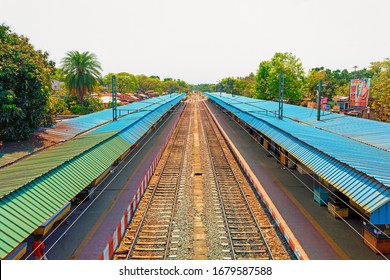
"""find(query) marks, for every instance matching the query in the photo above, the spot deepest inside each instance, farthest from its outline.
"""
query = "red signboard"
(359, 92)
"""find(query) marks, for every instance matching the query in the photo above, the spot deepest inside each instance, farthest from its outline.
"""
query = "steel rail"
(141, 223)
(176, 193)
(218, 189)
(253, 216)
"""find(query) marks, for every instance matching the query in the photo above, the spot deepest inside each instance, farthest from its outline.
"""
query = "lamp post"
(281, 96)
(319, 90)
(354, 73)
(114, 112)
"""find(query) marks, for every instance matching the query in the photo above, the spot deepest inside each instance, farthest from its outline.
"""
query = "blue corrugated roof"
(360, 171)
(373, 133)
(87, 122)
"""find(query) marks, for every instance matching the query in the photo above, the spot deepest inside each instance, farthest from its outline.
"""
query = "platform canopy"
(355, 163)
(33, 189)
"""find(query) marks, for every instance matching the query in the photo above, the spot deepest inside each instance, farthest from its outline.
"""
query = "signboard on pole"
(359, 92)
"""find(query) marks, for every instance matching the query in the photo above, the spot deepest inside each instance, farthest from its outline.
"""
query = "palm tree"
(82, 72)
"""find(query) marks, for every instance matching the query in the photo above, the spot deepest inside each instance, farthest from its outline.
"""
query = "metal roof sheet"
(87, 122)
(21, 173)
(27, 207)
(24, 210)
(358, 170)
(370, 132)
(24, 171)
(67, 129)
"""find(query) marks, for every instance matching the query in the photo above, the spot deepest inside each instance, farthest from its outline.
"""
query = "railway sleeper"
(157, 220)
(243, 227)
(121, 252)
(241, 222)
(238, 214)
(150, 243)
(238, 217)
(236, 209)
(168, 183)
(164, 192)
(153, 231)
(252, 258)
(160, 208)
(237, 244)
(137, 248)
(229, 193)
(147, 237)
(142, 257)
(245, 232)
(120, 256)
(241, 238)
(161, 203)
(249, 251)
(155, 226)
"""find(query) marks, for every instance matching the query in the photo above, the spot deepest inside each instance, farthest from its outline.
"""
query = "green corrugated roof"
(43, 197)
(23, 172)
(33, 189)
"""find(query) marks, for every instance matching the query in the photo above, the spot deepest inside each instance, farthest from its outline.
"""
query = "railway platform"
(87, 230)
(321, 235)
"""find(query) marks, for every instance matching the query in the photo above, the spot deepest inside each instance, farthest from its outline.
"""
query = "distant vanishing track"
(199, 204)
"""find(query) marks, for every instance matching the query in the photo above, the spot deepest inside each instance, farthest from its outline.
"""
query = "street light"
(218, 86)
(113, 98)
(281, 95)
(319, 91)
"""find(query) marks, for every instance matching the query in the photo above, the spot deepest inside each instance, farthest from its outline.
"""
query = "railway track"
(198, 204)
(148, 236)
(245, 235)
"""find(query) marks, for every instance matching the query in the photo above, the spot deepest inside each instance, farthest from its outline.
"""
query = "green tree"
(183, 86)
(170, 86)
(90, 104)
(227, 84)
(148, 83)
(107, 81)
(380, 88)
(59, 75)
(249, 85)
(311, 82)
(82, 73)
(125, 82)
(204, 87)
(24, 86)
(267, 78)
(57, 106)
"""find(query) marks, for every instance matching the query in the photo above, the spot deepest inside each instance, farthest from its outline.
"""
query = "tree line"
(27, 100)
(300, 85)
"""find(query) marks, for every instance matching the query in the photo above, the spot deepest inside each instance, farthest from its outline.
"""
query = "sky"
(203, 41)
